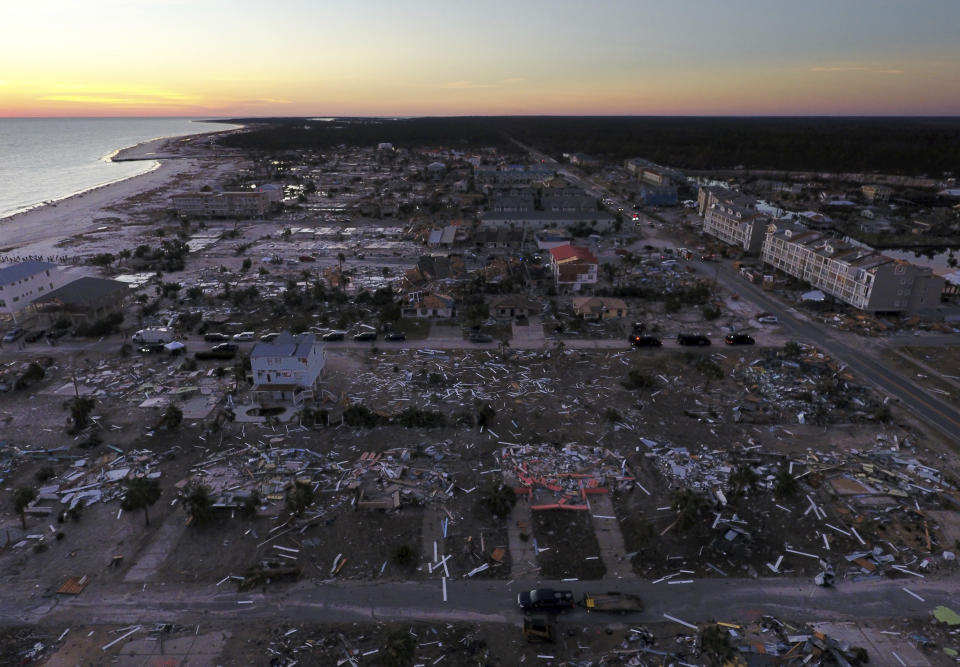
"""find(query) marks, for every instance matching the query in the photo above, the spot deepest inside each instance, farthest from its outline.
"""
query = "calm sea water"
(44, 159)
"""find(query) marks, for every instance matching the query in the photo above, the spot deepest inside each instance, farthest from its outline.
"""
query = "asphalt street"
(859, 358)
(473, 601)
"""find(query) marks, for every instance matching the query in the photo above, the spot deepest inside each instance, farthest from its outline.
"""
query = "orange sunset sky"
(425, 57)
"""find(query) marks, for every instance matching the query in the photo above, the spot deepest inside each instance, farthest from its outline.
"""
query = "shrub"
(637, 380)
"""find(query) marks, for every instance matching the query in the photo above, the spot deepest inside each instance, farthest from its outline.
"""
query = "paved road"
(861, 359)
(471, 601)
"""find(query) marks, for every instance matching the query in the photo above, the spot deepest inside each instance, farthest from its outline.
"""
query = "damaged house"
(287, 369)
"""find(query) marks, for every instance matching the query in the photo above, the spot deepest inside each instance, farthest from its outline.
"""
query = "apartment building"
(23, 283)
(247, 204)
(877, 194)
(568, 200)
(709, 195)
(732, 217)
(513, 174)
(738, 226)
(561, 207)
(856, 275)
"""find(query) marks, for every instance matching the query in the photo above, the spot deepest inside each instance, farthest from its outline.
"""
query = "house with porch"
(599, 308)
(420, 304)
(505, 306)
(287, 369)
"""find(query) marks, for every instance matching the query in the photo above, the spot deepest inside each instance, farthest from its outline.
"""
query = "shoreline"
(132, 153)
(59, 200)
(43, 229)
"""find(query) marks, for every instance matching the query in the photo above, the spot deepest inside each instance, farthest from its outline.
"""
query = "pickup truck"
(545, 599)
(621, 603)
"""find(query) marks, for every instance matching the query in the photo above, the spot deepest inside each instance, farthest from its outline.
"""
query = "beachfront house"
(23, 283)
(85, 300)
(287, 369)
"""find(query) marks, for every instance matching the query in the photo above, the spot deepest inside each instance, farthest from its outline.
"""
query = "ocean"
(47, 159)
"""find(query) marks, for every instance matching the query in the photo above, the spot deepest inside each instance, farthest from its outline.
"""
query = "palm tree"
(22, 497)
(198, 504)
(299, 497)
(742, 479)
(141, 494)
(688, 504)
(784, 483)
(171, 417)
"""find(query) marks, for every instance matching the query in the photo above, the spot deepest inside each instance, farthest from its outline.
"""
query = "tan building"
(599, 308)
(855, 275)
(512, 305)
(877, 194)
(249, 204)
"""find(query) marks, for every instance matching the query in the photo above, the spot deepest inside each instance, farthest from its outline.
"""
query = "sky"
(488, 57)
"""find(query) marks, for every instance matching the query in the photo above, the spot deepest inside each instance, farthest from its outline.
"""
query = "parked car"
(216, 337)
(738, 339)
(692, 339)
(395, 335)
(225, 347)
(333, 335)
(13, 335)
(545, 599)
(480, 338)
(244, 336)
(34, 336)
(645, 341)
(365, 336)
(266, 338)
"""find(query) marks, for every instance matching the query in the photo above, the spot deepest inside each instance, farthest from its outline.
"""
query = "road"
(845, 348)
(469, 601)
(860, 359)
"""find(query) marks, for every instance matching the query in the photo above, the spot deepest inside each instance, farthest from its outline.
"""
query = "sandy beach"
(42, 231)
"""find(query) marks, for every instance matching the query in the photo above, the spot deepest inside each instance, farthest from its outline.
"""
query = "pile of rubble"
(562, 478)
(90, 481)
(808, 390)
(382, 480)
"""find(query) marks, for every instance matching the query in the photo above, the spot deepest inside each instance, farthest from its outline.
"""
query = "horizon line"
(324, 117)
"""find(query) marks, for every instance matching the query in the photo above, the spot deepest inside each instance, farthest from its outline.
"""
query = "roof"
(598, 303)
(86, 292)
(12, 274)
(437, 301)
(512, 301)
(565, 252)
(548, 217)
(286, 345)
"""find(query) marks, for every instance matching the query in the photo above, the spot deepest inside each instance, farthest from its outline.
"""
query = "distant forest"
(911, 146)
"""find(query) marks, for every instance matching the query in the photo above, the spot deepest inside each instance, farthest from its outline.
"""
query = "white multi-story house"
(22, 283)
(735, 225)
(853, 274)
(288, 368)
